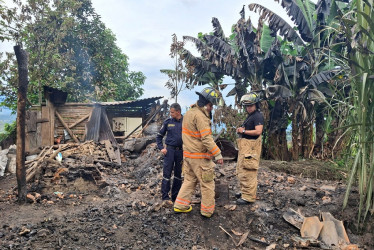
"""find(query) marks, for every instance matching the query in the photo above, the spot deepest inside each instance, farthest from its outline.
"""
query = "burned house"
(57, 121)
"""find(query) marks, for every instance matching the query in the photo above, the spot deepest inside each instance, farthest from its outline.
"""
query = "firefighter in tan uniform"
(199, 149)
(249, 149)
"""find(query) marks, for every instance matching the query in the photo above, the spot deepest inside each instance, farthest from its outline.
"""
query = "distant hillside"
(6, 117)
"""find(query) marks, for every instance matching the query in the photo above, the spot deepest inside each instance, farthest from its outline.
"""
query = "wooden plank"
(110, 150)
(79, 121)
(31, 139)
(45, 133)
(31, 121)
(66, 127)
(51, 123)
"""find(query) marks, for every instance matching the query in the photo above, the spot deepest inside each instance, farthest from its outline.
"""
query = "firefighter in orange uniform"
(199, 149)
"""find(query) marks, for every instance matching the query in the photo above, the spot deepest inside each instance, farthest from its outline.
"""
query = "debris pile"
(327, 234)
(95, 203)
(8, 160)
(58, 166)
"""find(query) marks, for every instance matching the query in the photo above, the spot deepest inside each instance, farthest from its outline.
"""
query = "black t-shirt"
(253, 120)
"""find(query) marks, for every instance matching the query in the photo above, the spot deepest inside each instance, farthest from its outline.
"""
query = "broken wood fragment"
(258, 240)
(110, 150)
(61, 148)
(228, 235)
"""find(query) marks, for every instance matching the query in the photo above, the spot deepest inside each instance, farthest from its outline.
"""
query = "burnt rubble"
(85, 199)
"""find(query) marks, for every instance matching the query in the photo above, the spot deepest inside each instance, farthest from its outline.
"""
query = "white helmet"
(249, 99)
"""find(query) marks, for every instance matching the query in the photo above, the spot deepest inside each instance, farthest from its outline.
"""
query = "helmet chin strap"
(210, 112)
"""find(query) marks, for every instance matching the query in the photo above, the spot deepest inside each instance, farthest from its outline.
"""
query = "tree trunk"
(307, 137)
(320, 132)
(276, 146)
(21, 56)
(296, 137)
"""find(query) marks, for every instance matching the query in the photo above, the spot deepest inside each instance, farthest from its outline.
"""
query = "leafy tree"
(178, 77)
(70, 49)
(183, 75)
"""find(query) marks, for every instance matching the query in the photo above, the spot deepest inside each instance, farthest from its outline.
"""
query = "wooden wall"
(72, 113)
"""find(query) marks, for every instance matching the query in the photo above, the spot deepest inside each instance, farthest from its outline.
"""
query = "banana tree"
(248, 56)
(306, 66)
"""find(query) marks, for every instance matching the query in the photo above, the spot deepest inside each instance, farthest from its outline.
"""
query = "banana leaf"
(316, 95)
(278, 91)
(299, 14)
(218, 31)
(321, 77)
(276, 23)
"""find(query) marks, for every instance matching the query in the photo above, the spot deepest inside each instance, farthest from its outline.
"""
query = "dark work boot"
(241, 201)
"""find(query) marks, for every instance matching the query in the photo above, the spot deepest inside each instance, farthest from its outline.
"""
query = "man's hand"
(220, 161)
(240, 130)
(164, 151)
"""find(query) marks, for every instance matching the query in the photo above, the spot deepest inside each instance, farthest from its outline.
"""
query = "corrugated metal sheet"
(93, 125)
(138, 101)
(98, 129)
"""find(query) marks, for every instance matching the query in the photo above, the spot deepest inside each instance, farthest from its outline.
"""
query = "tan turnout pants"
(202, 171)
(247, 166)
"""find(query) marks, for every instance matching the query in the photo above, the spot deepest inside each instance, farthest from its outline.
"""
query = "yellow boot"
(177, 210)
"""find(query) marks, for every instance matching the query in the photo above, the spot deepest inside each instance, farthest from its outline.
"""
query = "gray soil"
(126, 212)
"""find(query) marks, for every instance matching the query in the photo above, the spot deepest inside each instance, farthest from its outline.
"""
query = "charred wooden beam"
(23, 82)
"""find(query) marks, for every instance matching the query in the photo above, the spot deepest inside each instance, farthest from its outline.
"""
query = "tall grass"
(359, 30)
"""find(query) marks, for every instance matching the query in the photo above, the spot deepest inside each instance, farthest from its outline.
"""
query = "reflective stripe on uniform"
(191, 133)
(196, 134)
(207, 209)
(197, 155)
(215, 150)
(206, 132)
(182, 201)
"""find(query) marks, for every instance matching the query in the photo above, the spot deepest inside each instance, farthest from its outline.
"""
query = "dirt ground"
(127, 213)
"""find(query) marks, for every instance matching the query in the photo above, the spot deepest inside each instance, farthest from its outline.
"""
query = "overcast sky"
(143, 29)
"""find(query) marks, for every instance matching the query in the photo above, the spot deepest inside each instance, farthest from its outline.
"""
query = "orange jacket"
(197, 136)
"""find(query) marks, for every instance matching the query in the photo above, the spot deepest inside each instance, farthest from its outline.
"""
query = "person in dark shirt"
(249, 145)
(173, 152)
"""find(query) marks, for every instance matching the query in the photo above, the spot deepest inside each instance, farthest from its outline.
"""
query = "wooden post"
(23, 82)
